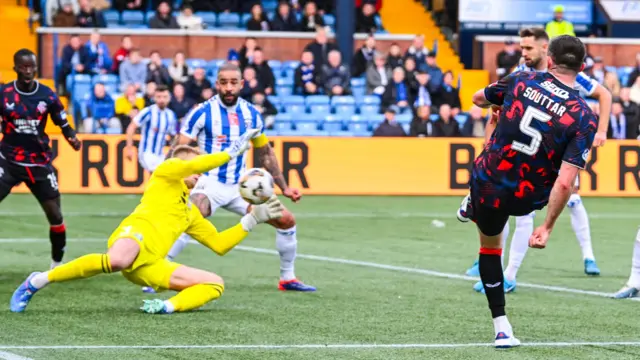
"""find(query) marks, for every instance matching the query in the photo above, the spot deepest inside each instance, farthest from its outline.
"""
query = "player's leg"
(120, 255)
(7, 178)
(474, 270)
(632, 288)
(195, 287)
(580, 224)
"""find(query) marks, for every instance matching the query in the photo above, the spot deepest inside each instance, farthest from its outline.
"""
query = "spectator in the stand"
(394, 58)
(207, 93)
(363, 57)
(409, 67)
(435, 74)
(376, 3)
(180, 104)
(634, 92)
(446, 125)
(128, 105)
(264, 73)
(417, 50)
(75, 58)
(149, 92)
(635, 73)
(397, 91)
(310, 17)
(559, 26)
(258, 20)
(186, 19)
(163, 19)
(178, 70)
(196, 83)
(630, 109)
(284, 19)
(420, 91)
(219, 6)
(507, 59)
(156, 71)
(122, 5)
(53, 6)
(133, 71)
(100, 5)
(366, 19)
(251, 83)
(612, 83)
(620, 126)
(265, 108)
(246, 51)
(320, 48)
(421, 125)
(597, 70)
(122, 53)
(307, 76)
(378, 75)
(89, 17)
(335, 76)
(233, 57)
(389, 127)
(101, 112)
(448, 94)
(475, 124)
(64, 16)
(245, 6)
(99, 58)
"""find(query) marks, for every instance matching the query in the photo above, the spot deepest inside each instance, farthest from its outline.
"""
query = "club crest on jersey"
(10, 106)
(42, 107)
(233, 119)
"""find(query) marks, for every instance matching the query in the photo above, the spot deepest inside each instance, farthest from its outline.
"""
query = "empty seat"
(196, 63)
(345, 109)
(284, 81)
(284, 91)
(208, 18)
(317, 99)
(371, 99)
(375, 120)
(329, 20)
(358, 82)
(359, 128)
(293, 99)
(279, 125)
(112, 17)
(295, 108)
(434, 117)
(244, 19)
(228, 20)
(307, 127)
(461, 119)
(403, 118)
(320, 109)
(130, 17)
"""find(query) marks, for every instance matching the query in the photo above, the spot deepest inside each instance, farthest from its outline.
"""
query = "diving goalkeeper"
(138, 247)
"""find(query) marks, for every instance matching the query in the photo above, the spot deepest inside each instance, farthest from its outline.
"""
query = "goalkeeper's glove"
(241, 144)
(270, 210)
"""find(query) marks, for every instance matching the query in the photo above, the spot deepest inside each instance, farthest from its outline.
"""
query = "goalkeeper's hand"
(270, 210)
(241, 144)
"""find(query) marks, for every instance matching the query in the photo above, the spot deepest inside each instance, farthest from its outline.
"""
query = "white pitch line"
(310, 346)
(11, 356)
(403, 269)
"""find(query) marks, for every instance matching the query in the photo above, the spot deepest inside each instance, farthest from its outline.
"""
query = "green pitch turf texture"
(375, 298)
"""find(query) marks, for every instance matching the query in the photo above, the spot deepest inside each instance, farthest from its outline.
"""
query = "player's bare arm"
(480, 100)
(131, 130)
(270, 163)
(604, 101)
(59, 117)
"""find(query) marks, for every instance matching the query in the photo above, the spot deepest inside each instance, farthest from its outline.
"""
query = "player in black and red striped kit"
(25, 154)
(543, 137)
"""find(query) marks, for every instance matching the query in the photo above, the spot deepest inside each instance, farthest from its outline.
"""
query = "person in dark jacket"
(310, 18)
(89, 17)
(366, 19)
(394, 59)
(163, 19)
(258, 20)
(335, 76)
(448, 94)
(285, 19)
(307, 77)
(475, 124)
(363, 57)
(389, 127)
(99, 55)
(507, 59)
(630, 109)
(397, 91)
(180, 104)
(265, 108)
(251, 83)
(421, 125)
(446, 125)
(196, 84)
(635, 73)
(620, 126)
(320, 48)
(246, 51)
(75, 57)
(264, 73)
(156, 71)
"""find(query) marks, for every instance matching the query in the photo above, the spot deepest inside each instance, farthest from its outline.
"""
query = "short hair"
(258, 48)
(154, 52)
(135, 49)
(537, 33)
(180, 149)
(20, 53)
(229, 66)
(162, 88)
(567, 52)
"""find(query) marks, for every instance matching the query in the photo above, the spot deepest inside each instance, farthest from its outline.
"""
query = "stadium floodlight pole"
(345, 29)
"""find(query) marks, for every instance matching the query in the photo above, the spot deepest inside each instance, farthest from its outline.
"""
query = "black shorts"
(41, 180)
(489, 220)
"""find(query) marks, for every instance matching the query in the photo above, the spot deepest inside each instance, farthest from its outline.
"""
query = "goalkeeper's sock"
(194, 297)
(287, 246)
(80, 268)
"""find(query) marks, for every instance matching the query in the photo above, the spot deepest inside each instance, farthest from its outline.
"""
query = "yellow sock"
(80, 268)
(195, 296)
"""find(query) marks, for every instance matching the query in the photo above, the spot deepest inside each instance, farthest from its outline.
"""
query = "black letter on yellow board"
(98, 165)
(624, 168)
(120, 168)
(287, 166)
(589, 170)
(454, 165)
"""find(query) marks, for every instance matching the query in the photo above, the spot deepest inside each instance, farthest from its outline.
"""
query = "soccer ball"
(256, 186)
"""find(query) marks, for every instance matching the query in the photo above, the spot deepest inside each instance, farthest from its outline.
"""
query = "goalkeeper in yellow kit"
(139, 245)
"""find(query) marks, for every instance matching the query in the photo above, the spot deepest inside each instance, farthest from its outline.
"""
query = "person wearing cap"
(559, 26)
(507, 59)
(389, 127)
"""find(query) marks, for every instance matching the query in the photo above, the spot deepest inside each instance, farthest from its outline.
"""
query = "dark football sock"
(492, 279)
(58, 238)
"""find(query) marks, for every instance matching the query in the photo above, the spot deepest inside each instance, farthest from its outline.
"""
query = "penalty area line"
(307, 346)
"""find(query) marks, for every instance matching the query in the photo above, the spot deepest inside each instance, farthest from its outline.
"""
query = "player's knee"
(213, 278)
(287, 221)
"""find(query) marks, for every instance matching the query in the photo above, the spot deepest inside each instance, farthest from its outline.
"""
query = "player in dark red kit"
(542, 139)
(25, 155)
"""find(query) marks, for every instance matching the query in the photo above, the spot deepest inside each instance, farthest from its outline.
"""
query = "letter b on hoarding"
(461, 158)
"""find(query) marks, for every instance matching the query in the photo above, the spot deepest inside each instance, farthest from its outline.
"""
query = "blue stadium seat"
(105, 79)
(317, 100)
(329, 20)
(307, 127)
(358, 82)
(167, 62)
(228, 20)
(378, 21)
(130, 17)
(275, 101)
(375, 120)
(359, 128)
(434, 117)
(358, 93)
(406, 128)
(371, 99)
(284, 82)
(341, 100)
(403, 118)
(288, 73)
(271, 133)
(345, 109)
(320, 109)
(295, 108)
(276, 66)
(244, 20)
(148, 15)
(196, 63)
(279, 125)
(80, 90)
(333, 123)
(283, 117)
(461, 119)
(112, 17)
(212, 79)
(284, 91)
(291, 64)
(288, 133)
(341, 133)
(294, 99)
(270, 5)
(370, 109)
(208, 18)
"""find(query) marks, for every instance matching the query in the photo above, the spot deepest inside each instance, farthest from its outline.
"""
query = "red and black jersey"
(24, 117)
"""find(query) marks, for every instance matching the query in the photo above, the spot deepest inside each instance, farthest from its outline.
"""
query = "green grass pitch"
(374, 297)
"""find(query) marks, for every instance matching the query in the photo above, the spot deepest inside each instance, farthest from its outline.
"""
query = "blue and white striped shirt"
(584, 84)
(155, 125)
(215, 125)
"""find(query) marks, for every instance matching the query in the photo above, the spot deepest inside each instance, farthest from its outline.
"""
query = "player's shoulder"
(44, 90)
(244, 104)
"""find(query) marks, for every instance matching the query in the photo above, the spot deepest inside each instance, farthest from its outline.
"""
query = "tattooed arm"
(268, 160)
